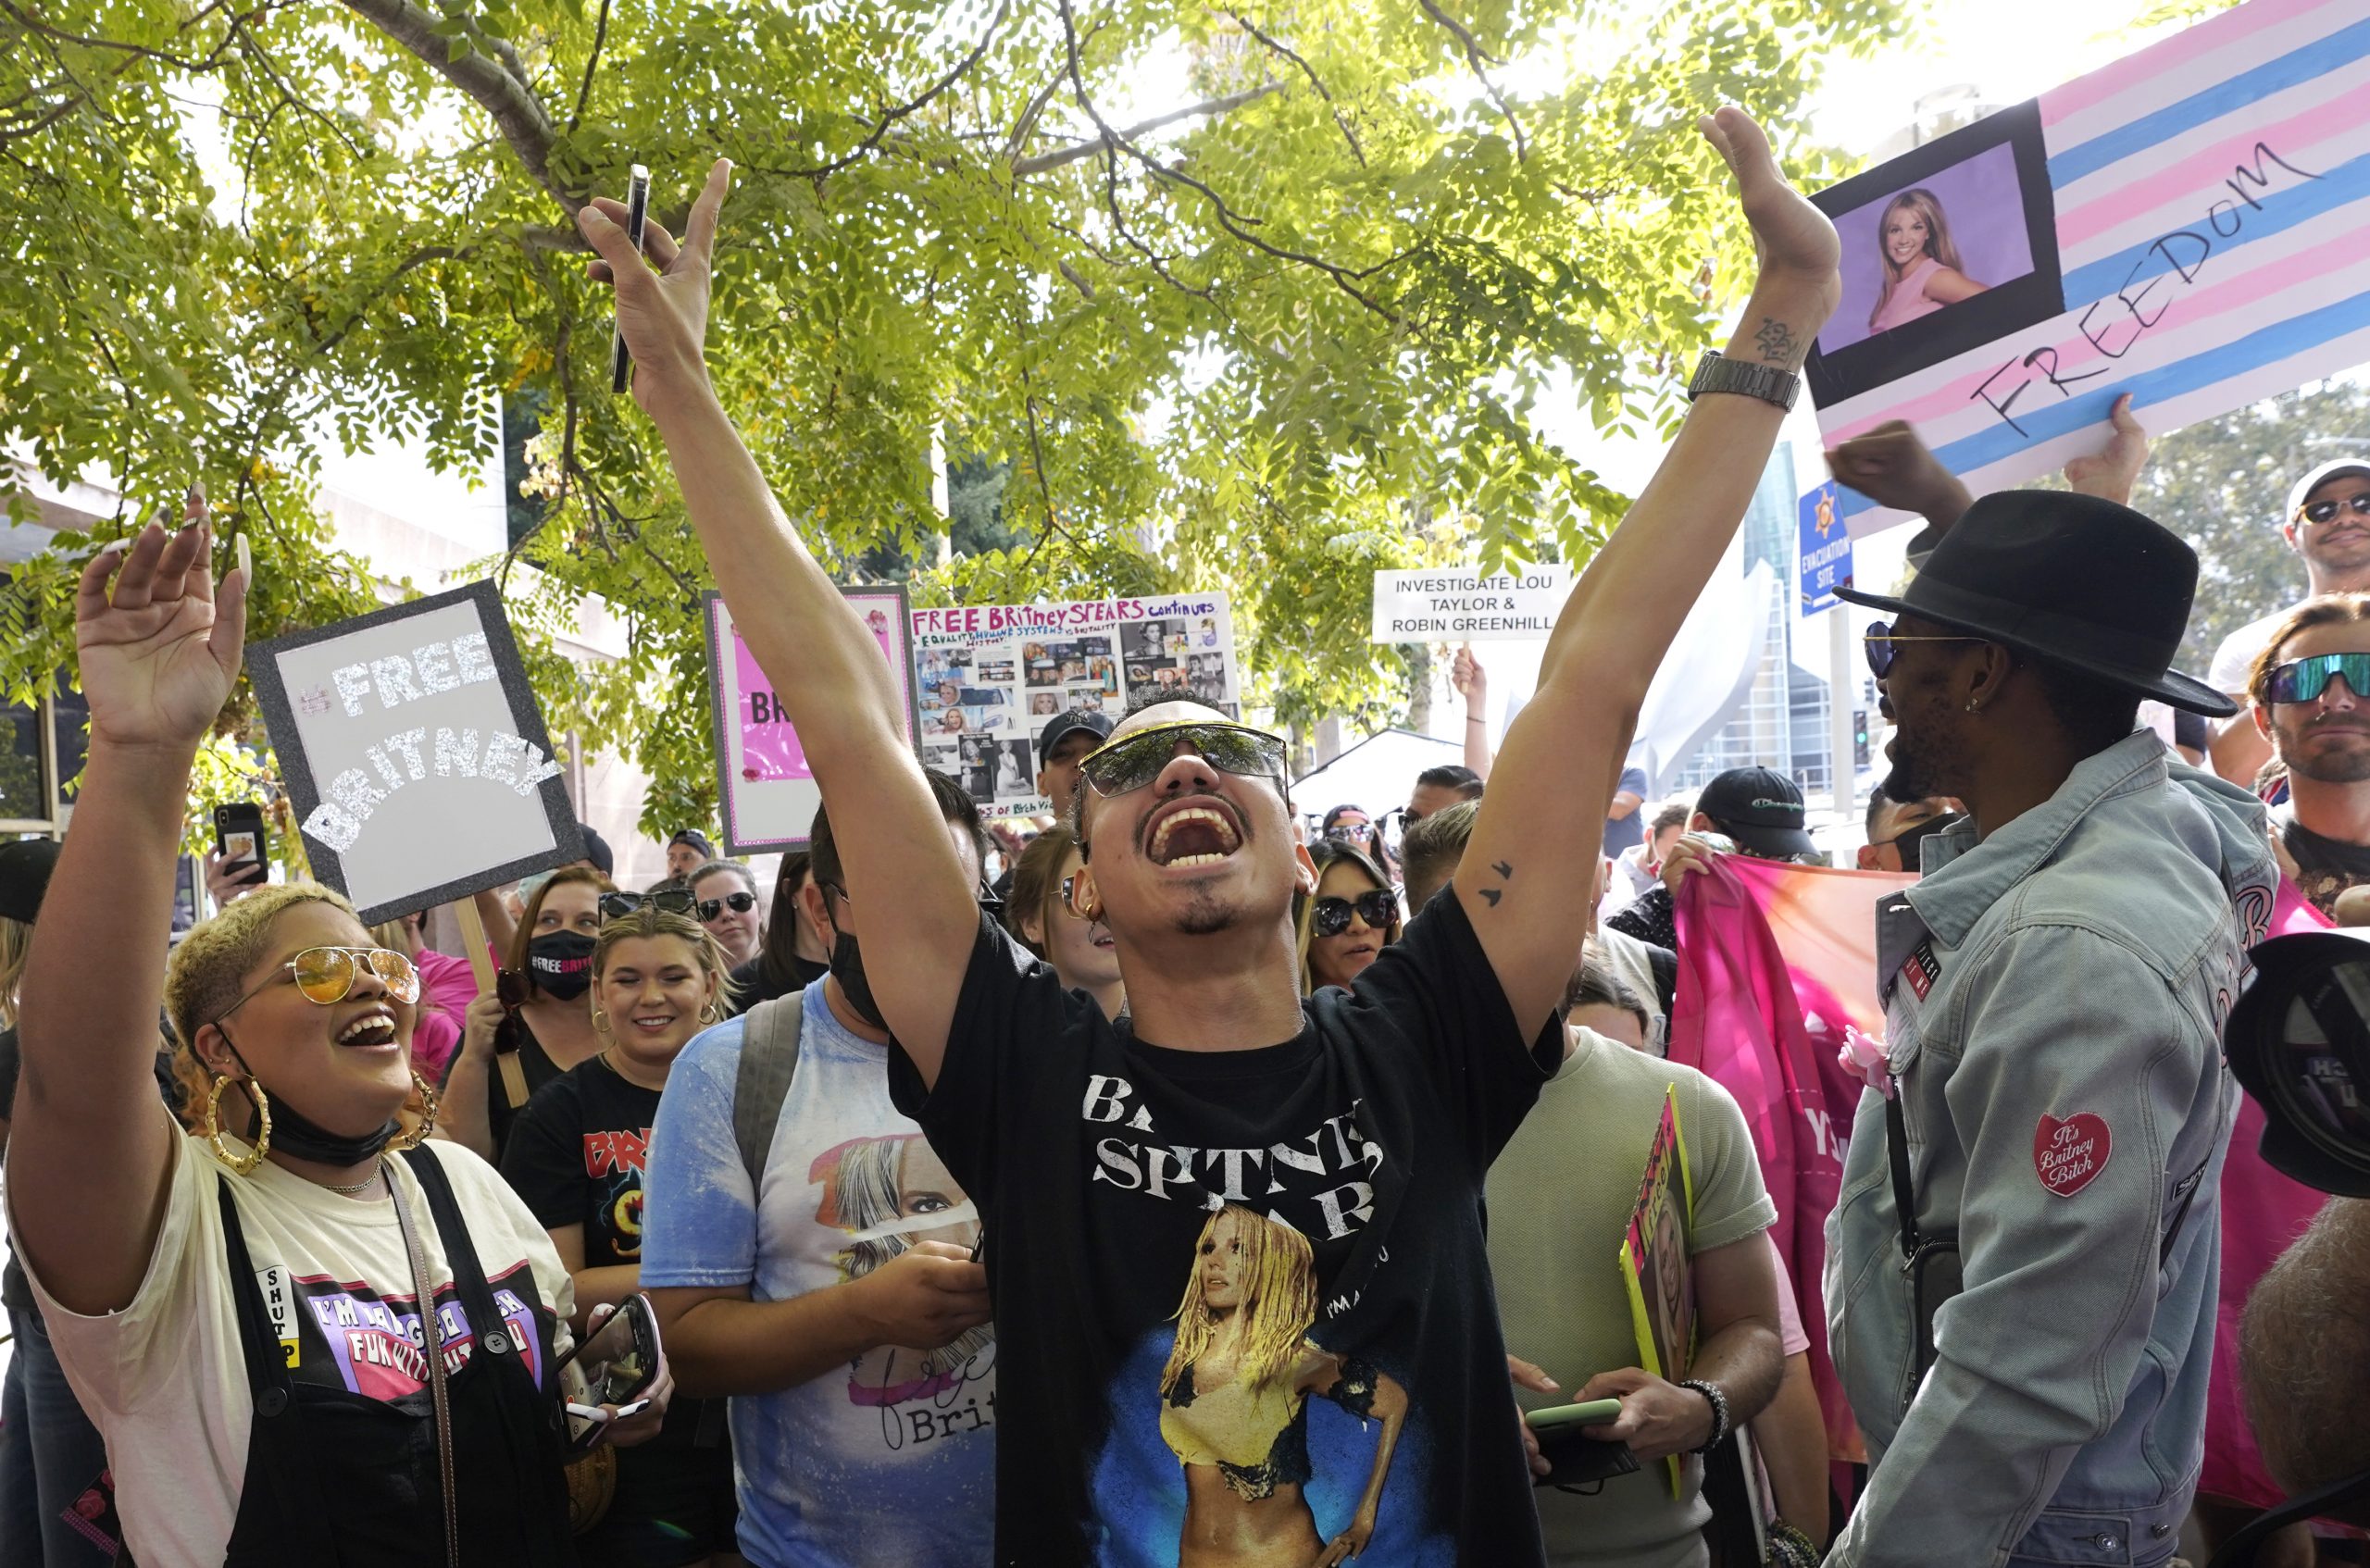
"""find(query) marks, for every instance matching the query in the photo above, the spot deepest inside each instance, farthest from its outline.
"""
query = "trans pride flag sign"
(2190, 225)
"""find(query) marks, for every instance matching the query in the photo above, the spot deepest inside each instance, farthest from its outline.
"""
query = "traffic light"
(1859, 738)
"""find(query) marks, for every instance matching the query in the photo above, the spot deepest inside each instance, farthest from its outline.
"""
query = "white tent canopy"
(1375, 774)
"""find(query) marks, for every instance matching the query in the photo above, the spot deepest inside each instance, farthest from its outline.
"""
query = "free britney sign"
(415, 752)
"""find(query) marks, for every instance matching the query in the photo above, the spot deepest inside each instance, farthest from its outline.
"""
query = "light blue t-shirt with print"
(890, 1460)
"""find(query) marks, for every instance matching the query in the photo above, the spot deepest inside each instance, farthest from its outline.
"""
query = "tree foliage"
(2221, 485)
(1233, 347)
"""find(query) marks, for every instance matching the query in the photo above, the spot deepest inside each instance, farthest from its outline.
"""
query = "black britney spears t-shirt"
(1245, 1291)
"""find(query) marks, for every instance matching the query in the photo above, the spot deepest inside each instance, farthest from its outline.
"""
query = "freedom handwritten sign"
(2190, 225)
(415, 754)
(767, 790)
(989, 676)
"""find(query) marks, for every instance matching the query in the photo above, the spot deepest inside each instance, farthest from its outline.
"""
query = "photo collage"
(984, 699)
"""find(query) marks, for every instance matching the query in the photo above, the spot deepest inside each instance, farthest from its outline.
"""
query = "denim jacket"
(2053, 1002)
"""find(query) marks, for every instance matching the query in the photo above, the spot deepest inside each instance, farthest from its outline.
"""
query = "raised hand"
(159, 652)
(1794, 238)
(2115, 468)
(663, 315)
(1472, 681)
(1891, 466)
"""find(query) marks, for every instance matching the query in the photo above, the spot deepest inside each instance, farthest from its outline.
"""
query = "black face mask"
(847, 967)
(561, 964)
(293, 1132)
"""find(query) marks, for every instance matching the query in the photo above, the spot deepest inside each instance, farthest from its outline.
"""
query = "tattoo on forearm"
(1493, 895)
(1776, 340)
(1505, 874)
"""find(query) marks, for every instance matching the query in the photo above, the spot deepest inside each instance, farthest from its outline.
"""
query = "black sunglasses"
(739, 904)
(1331, 917)
(673, 901)
(2321, 511)
(1878, 641)
(1134, 761)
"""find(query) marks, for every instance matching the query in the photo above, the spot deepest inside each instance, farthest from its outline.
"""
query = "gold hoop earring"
(600, 1022)
(428, 1100)
(710, 1013)
(242, 1163)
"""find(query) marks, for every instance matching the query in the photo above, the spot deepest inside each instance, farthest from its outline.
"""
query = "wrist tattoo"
(1776, 340)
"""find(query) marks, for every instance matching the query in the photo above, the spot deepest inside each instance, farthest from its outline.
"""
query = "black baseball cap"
(694, 838)
(25, 865)
(1061, 727)
(596, 850)
(1760, 809)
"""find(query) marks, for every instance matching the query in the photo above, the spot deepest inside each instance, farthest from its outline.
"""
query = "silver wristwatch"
(1717, 372)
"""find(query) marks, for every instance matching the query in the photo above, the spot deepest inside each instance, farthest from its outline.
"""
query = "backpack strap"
(768, 1059)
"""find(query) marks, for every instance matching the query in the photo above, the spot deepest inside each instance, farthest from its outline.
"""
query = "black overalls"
(340, 1480)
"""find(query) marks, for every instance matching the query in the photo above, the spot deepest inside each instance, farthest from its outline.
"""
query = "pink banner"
(1775, 962)
(769, 747)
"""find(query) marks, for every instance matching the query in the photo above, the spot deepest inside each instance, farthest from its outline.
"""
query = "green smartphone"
(1562, 1418)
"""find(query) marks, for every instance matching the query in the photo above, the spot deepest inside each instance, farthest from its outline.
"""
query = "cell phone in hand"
(637, 213)
(614, 1364)
(238, 839)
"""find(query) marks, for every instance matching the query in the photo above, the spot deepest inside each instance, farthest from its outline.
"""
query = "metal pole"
(1842, 686)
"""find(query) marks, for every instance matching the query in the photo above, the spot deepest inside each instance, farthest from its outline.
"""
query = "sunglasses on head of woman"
(2324, 510)
(674, 901)
(739, 904)
(1133, 761)
(1332, 915)
(325, 975)
(2304, 680)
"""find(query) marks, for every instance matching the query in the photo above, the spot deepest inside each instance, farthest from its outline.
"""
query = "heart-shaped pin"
(2070, 1154)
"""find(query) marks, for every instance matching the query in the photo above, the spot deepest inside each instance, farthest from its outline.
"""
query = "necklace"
(355, 1190)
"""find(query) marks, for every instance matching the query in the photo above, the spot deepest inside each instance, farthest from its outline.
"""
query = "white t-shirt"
(166, 1383)
(2235, 660)
(890, 1459)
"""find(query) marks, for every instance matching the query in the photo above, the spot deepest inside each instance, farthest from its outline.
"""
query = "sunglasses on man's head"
(2304, 680)
(1330, 916)
(1134, 761)
(1351, 832)
(739, 904)
(325, 975)
(673, 901)
(2324, 510)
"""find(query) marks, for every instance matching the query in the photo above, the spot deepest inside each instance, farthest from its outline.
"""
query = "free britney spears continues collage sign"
(2187, 225)
(977, 684)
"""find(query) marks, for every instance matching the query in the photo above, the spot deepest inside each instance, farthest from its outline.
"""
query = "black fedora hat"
(2071, 580)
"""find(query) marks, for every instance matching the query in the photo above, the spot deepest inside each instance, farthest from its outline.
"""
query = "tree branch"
(592, 60)
(1479, 61)
(1344, 278)
(1087, 149)
(1313, 80)
(890, 117)
(517, 112)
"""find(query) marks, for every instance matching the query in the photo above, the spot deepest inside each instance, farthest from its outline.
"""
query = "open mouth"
(375, 1028)
(652, 1023)
(1190, 834)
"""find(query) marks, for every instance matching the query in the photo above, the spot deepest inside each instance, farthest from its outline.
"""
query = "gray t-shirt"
(1560, 1195)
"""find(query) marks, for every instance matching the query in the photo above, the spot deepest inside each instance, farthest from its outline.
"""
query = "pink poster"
(767, 791)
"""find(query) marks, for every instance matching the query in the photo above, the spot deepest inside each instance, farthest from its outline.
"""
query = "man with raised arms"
(1234, 1240)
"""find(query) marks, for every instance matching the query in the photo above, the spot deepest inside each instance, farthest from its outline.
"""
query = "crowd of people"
(1114, 1189)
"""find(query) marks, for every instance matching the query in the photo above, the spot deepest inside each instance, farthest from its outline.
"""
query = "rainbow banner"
(2187, 225)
